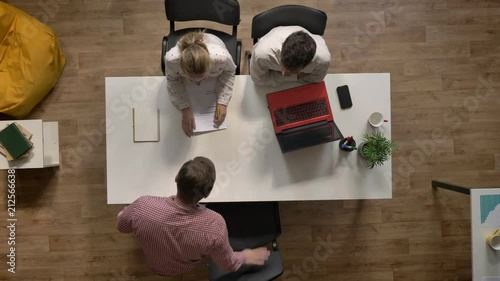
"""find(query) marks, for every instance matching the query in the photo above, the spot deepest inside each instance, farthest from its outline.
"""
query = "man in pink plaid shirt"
(177, 234)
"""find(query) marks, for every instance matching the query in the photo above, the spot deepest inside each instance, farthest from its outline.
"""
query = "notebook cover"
(27, 134)
(14, 142)
(7, 154)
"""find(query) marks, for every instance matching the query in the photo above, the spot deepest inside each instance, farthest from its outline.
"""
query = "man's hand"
(302, 75)
(286, 73)
(256, 256)
(222, 114)
(188, 124)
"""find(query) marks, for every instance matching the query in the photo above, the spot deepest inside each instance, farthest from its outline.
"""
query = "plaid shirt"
(175, 239)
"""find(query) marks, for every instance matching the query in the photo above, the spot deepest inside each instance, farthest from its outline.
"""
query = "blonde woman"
(197, 56)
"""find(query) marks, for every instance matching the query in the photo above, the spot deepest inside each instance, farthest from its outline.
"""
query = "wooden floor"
(444, 60)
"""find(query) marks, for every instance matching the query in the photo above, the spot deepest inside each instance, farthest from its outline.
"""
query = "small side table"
(485, 261)
(45, 151)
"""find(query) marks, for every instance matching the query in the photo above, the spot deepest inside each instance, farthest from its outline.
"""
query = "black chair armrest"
(163, 52)
(238, 57)
(275, 245)
(248, 57)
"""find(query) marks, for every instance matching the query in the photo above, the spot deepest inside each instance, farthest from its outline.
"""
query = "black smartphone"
(344, 97)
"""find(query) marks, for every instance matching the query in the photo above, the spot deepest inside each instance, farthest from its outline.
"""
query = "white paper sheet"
(146, 124)
(203, 100)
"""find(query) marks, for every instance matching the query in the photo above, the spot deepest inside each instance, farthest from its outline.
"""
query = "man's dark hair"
(195, 179)
(297, 51)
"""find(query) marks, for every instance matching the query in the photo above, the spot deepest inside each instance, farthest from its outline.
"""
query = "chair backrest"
(312, 19)
(222, 11)
(250, 225)
(250, 219)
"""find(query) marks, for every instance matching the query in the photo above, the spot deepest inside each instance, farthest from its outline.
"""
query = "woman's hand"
(222, 114)
(188, 124)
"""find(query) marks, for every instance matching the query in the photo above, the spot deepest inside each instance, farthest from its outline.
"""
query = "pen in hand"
(217, 116)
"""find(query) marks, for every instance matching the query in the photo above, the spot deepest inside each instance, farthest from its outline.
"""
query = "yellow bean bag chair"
(31, 61)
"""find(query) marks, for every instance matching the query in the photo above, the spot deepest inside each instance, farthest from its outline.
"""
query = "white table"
(248, 160)
(45, 151)
(485, 261)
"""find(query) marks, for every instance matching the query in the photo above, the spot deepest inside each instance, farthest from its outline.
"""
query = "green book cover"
(14, 141)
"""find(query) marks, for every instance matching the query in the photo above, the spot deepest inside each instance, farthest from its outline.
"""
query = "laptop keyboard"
(301, 112)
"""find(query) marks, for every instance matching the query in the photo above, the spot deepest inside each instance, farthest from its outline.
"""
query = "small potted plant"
(376, 149)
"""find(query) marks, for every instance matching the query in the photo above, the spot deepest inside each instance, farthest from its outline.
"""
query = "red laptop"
(302, 116)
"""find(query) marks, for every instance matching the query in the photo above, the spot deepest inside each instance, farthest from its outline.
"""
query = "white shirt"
(222, 67)
(265, 65)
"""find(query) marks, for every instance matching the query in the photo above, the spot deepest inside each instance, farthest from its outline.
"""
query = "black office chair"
(221, 11)
(250, 225)
(312, 19)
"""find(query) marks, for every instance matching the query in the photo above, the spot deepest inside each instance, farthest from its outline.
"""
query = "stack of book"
(15, 142)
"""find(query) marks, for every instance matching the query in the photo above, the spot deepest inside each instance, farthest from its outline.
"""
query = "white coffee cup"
(494, 240)
(376, 119)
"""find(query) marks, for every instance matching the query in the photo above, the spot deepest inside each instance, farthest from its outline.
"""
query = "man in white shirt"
(289, 53)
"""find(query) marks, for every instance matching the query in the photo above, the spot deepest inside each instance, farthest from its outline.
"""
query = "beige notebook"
(146, 124)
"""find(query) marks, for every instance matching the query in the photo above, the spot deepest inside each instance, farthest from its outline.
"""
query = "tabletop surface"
(249, 163)
(485, 261)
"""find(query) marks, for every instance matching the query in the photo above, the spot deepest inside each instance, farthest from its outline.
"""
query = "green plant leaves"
(377, 149)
